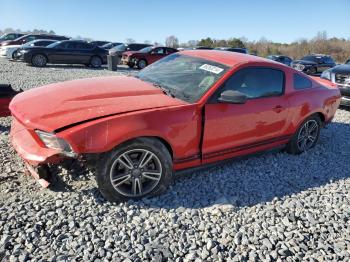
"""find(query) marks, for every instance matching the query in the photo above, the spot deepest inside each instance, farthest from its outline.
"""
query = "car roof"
(226, 57)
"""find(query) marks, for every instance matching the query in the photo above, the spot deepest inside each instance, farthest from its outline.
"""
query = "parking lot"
(263, 207)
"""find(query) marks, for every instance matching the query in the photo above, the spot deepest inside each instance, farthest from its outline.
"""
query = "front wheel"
(306, 136)
(136, 169)
(312, 71)
(141, 64)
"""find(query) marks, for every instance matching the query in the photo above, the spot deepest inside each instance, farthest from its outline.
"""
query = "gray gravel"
(267, 207)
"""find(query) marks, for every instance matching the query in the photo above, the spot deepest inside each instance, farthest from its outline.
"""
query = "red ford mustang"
(188, 109)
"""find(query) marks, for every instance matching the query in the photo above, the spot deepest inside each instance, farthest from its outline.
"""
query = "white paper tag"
(212, 69)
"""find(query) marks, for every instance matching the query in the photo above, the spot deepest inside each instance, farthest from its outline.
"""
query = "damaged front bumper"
(34, 155)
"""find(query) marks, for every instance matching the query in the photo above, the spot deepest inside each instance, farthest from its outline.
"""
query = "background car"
(189, 109)
(146, 56)
(340, 75)
(111, 45)
(10, 36)
(281, 59)
(65, 52)
(99, 43)
(11, 51)
(28, 38)
(313, 64)
(6, 95)
(233, 49)
(120, 49)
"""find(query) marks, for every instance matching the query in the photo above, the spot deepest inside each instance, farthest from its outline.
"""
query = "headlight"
(326, 75)
(52, 141)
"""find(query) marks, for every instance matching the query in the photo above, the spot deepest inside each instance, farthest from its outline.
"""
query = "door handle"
(278, 109)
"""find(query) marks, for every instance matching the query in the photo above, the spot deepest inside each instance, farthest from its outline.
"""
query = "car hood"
(304, 62)
(341, 69)
(59, 105)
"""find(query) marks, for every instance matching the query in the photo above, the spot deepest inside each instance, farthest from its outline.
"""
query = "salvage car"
(11, 51)
(146, 56)
(281, 58)
(65, 52)
(10, 36)
(313, 64)
(111, 45)
(120, 49)
(6, 95)
(27, 38)
(99, 43)
(186, 110)
(340, 75)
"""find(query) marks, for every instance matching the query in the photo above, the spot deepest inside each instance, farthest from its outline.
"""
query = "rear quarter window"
(301, 82)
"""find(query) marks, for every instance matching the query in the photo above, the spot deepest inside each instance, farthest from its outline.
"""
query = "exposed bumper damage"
(35, 156)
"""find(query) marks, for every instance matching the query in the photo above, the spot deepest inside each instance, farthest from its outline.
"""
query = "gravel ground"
(267, 207)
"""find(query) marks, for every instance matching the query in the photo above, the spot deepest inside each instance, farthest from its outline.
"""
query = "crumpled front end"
(34, 153)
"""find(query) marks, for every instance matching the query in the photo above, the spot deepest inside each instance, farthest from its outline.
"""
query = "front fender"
(178, 126)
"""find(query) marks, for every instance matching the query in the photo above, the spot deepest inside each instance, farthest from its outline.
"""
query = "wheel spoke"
(313, 127)
(136, 186)
(125, 161)
(152, 175)
(121, 180)
(147, 156)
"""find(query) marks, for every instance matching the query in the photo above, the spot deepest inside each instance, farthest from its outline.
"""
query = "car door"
(83, 53)
(65, 53)
(156, 54)
(230, 129)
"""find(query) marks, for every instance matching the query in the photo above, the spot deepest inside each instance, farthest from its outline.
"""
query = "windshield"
(185, 77)
(347, 62)
(54, 44)
(146, 49)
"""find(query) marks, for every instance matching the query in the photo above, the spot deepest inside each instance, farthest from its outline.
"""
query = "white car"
(9, 51)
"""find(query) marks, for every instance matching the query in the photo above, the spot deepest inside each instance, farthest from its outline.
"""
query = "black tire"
(312, 70)
(39, 60)
(113, 166)
(295, 144)
(14, 54)
(141, 64)
(96, 62)
(130, 65)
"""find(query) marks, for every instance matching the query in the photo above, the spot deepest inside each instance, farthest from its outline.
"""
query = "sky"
(277, 20)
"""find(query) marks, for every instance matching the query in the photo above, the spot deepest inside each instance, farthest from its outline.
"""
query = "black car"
(281, 59)
(10, 36)
(111, 45)
(119, 49)
(99, 43)
(38, 42)
(313, 64)
(340, 75)
(233, 49)
(65, 52)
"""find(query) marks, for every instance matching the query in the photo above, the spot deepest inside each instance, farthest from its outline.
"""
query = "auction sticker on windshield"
(212, 69)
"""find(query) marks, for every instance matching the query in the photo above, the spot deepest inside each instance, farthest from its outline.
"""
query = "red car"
(188, 109)
(6, 95)
(146, 56)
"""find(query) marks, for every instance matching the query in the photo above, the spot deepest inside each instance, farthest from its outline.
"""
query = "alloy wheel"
(308, 135)
(39, 60)
(136, 172)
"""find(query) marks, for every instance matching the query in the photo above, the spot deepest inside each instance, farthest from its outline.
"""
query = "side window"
(256, 82)
(30, 38)
(300, 82)
(158, 51)
(83, 46)
(72, 45)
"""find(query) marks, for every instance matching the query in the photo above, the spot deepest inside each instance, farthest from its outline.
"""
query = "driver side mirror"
(232, 97)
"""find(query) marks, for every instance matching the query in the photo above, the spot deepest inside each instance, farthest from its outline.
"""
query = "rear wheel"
(14, 55)
(306, 136)
(96, 62)
(39, 60)
(136, 169)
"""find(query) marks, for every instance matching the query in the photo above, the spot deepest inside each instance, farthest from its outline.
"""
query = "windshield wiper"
(165, 90)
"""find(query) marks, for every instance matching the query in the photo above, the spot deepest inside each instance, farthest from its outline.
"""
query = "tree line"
(338, 48)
